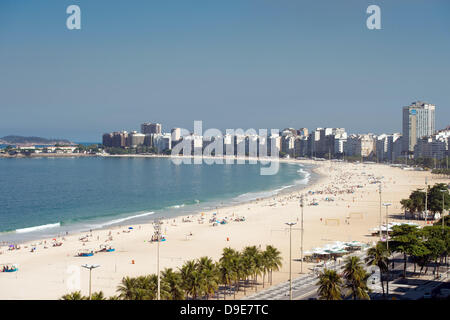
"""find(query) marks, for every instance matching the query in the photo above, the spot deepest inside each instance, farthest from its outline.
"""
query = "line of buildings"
(418, 139)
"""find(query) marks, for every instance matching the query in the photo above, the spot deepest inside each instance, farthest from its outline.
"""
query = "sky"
(230, 63)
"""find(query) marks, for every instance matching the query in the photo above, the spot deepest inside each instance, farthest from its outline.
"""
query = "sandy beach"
(47, 273)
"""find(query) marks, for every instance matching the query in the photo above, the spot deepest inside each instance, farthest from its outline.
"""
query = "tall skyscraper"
(418, 122)
(148, 128)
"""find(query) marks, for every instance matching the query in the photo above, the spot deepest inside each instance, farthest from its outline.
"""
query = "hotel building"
(418, 122)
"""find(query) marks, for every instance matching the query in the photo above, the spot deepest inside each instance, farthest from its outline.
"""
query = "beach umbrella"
(130, 228)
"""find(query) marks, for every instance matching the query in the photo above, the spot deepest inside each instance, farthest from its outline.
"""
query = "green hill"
(32, 140)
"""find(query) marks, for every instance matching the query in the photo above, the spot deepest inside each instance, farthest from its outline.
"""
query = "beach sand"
(50, 273)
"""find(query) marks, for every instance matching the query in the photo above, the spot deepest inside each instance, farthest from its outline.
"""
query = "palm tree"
(186, 275)
(193, 283)
(247, 264)
(356, 278)
(73, 296)
(229, 267)
(238, 271)
(147, 287)
(254, 254)
(173, 281)
(198, 285)
(140, 288)
(265, 261)
(275, 260)
(225, 275)
(209, 275)
(378, 256)
(126, 288)
(97, 296)
(330, 283)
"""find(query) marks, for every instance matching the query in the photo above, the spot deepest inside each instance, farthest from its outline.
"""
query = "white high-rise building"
(435, 146)
(162, 142)
(418, 122)
(386, 147)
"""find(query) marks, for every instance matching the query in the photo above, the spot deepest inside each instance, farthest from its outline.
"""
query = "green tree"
(330, 285)
(275, 260)
(254, 254)
(174, 283)
(407, 205)
(437, 242)
(127, 287)
(140, 288)
(209, 275)
(229, 267)
(379, 256)
(226, 275)
(404, 239)
(98, 296)
(193, 283)
(265, 264)
(438, 195)
(73, 296)
(420, 255)
(356, 278)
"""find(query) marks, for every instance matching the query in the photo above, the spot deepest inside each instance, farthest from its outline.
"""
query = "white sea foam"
(249, 196)
(178, 206)
(265, 194)
(115, 221)
(306, 178)
(38, 228)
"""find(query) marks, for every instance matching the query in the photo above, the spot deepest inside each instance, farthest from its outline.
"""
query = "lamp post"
(301, 242)
(157, 226)
(387, 204)
(443, 226)
(426, 200)
(290, 224)
(381, 219)
(90, 267)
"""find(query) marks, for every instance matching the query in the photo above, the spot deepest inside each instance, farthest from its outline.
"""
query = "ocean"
(45, 197)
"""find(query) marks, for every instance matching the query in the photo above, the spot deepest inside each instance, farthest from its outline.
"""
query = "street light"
(387, 204)
(426, 200)
(301, 245)
(443, 207)
(157, 226)
(290, 224)
(381, 219)
(90, 267)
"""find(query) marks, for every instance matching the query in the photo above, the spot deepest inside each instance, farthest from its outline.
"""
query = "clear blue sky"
(231, 63)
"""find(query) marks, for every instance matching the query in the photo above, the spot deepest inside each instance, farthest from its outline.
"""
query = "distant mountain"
(32, 141)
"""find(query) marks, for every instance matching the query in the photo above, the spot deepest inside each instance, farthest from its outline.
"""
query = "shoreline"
(349, 184)
(314, 177)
